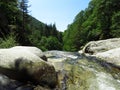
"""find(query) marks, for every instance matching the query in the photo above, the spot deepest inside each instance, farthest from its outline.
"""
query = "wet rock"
(8, 84)
(81, 74)
(44, 58)
(41, 88)
(61, 54)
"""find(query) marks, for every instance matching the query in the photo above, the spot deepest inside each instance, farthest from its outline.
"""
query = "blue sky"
(60, 12)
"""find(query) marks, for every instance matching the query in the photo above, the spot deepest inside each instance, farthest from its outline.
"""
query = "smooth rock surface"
(23, 65)
(110, 56)
(95, 47)
(32, 49)
(9, 84)
(104, 50)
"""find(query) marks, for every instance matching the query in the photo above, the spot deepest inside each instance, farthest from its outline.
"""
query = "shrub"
(8, 42)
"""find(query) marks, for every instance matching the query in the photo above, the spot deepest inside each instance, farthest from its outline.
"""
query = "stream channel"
(76, 72)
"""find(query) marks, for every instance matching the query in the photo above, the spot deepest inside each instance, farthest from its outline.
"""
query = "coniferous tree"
(23, 31)
(15, 22)
(24, 8)
(8, 14)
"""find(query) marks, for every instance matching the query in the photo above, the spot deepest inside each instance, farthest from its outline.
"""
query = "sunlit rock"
(104, 50)
(94, 47)
(32, 49)
(110, 56)
(23, 65)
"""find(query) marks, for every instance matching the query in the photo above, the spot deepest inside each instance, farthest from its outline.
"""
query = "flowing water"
(75, 72)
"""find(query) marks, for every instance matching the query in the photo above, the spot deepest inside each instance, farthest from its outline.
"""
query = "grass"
(9, 41)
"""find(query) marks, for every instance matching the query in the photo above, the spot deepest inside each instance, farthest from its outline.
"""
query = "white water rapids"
(100, 77)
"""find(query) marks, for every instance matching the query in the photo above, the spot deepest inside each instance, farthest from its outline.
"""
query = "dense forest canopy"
(17, 27)
(100, 20)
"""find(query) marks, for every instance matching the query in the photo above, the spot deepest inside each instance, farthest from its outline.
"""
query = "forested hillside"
(101, 20)
(17, 27)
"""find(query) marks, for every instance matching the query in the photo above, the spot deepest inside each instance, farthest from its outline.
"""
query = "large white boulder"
(32, 49)
(23, 65)
(111, 56)
(95, 47)
(105, 50)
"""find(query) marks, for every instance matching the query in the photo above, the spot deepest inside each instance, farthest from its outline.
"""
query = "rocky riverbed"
(76, 72)
(96, 67)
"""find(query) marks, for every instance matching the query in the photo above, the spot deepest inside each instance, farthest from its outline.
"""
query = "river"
(76, 72)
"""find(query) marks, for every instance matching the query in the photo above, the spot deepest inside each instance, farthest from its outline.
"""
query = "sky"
(60, 12)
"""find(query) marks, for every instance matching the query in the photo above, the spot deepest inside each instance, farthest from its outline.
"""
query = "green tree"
(8, 14)
(53, 44)
(24, 8)
(24, 25)
(115, 25)
(99, 21)
(43, 43)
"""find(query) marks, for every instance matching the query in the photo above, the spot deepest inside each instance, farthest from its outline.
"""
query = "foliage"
(50, 43)
(99, 21)
(41, 34)
(53, 44)
(8, 14)
(8, 42)
(27, 30)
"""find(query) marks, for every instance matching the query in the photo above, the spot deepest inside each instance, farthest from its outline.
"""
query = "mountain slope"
(99, 21)
(25, 29)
